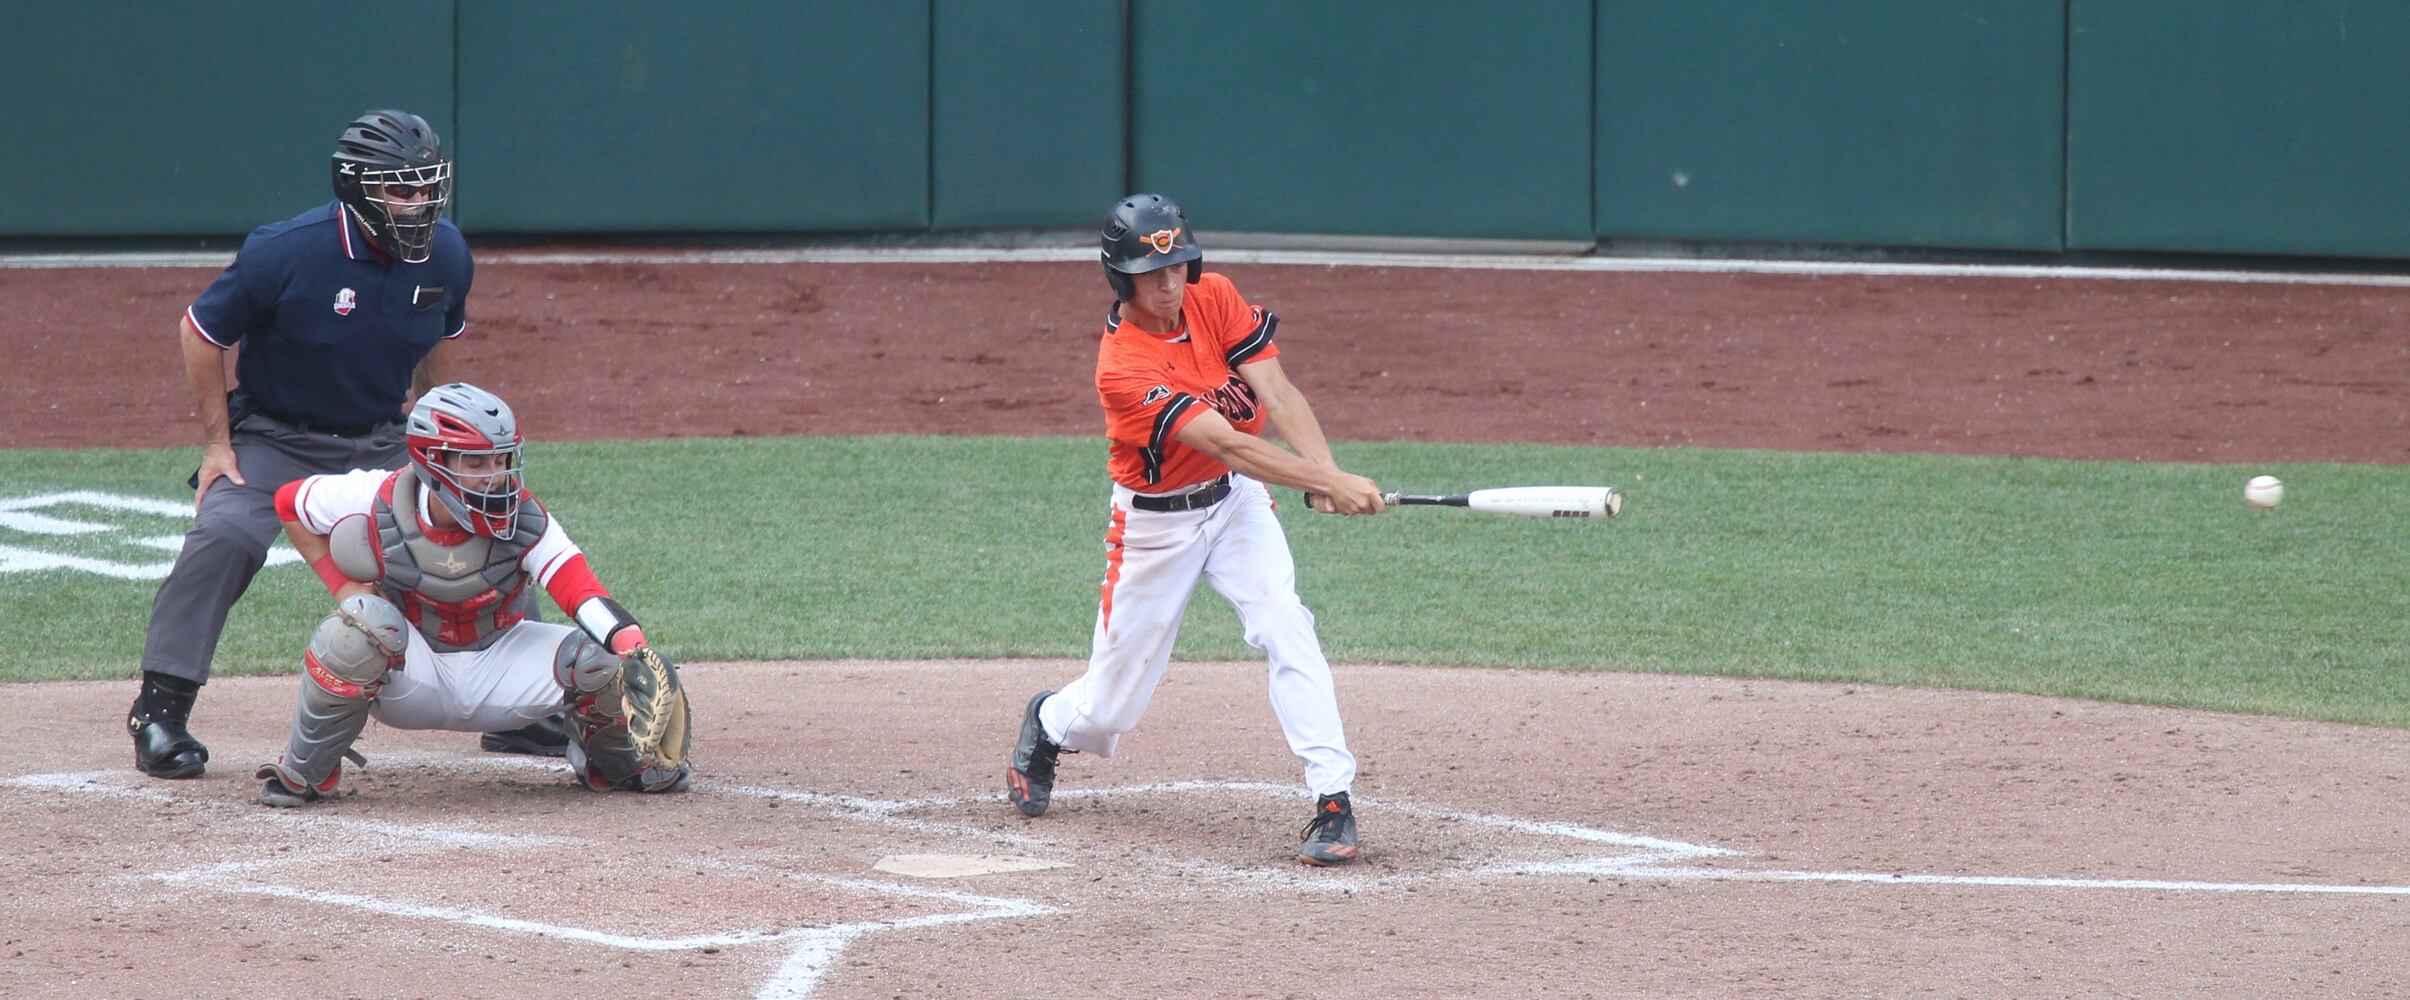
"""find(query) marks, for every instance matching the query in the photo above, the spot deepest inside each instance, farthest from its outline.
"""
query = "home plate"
(958, 865)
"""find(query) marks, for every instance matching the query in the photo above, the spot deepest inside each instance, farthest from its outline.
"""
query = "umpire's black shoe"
(1029, 782)
(163, 749)
(546, 737)
(1331, 838)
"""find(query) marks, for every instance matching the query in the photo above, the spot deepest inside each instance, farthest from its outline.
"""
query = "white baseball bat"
(1521, 501)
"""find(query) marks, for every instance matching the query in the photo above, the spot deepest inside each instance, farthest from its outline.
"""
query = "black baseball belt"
(1194, 500)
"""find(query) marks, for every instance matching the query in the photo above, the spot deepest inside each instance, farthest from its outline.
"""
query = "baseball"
(2263, 492)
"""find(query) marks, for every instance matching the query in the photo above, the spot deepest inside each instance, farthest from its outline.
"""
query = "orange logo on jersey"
(1161, 239)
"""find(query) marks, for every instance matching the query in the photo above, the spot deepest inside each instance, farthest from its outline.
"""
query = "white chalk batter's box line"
(813, 950)
(810, 950)
(1640, 857)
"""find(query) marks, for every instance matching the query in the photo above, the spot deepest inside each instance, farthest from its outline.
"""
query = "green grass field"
(2111, 580)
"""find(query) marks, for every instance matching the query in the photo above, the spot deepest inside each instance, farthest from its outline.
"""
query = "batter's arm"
(1257, 458)
(205, 372)
(1285, 406)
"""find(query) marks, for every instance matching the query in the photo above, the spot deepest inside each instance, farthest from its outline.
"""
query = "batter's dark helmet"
(1146, 232)
(383, 163)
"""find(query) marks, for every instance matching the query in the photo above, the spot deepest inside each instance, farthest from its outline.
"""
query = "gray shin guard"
(346, 664)
(589, 676)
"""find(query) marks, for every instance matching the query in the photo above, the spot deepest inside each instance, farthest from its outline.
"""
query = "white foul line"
(2015, 881)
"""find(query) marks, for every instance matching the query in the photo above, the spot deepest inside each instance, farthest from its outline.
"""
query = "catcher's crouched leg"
(627, 717)
(345, 666)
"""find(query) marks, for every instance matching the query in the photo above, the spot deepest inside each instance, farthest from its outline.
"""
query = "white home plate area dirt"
(1526, 834)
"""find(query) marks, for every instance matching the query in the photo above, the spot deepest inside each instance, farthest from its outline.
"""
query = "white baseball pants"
(1152, 561)
(503, 686)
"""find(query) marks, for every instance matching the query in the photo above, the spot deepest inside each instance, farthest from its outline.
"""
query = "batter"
(1190, 378)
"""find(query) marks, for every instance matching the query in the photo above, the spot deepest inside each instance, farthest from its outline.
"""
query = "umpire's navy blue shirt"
(331, 328)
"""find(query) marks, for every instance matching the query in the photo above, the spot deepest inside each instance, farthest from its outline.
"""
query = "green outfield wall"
(1929, 123)
(2208, 126)
(2239, 126)
(196, 119)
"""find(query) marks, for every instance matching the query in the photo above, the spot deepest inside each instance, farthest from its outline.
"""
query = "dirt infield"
(1542, 834)
(1527, 834)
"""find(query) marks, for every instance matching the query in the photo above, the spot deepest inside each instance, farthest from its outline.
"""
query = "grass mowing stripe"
(2113, 580)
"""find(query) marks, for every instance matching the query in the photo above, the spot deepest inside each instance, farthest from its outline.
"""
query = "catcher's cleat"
(274, 791)
(1029, 781)
(162, 747)
(546, 737)
(1331, 838)
(656, 781)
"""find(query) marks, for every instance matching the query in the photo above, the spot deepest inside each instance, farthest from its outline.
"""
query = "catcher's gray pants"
(503, 686)
(231, 532)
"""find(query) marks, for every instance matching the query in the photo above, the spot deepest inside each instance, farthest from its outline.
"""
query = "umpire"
(338, 312)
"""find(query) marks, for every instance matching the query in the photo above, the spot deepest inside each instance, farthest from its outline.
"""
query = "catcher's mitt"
(658, 723)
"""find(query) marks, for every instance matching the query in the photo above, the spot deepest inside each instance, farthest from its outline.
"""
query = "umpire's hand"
(216, 460)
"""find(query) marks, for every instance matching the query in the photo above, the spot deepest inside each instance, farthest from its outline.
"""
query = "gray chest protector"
(457, 596)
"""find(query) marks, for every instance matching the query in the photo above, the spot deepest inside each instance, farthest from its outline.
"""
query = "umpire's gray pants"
(233, 528)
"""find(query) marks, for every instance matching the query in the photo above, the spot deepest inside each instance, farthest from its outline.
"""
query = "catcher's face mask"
(464, 443)
(480, 485)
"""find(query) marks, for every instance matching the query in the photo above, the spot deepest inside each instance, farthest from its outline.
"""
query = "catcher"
(426, 563)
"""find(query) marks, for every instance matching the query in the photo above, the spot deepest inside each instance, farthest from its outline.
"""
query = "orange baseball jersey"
(1154, 385)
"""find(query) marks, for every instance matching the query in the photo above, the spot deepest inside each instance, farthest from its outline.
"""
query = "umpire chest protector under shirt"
(330, 328)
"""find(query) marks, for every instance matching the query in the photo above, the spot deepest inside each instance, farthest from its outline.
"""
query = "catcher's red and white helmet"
(459, 419)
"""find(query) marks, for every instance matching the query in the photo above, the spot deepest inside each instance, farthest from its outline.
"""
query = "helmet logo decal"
(345, 301)
(1160, 239)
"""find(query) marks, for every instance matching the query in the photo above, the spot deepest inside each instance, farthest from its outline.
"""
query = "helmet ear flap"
(1196, 269)
(1124, 289)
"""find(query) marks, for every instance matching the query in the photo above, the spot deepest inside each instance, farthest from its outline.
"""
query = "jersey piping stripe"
(1121, 520)
(1254, 343)
(202, 330)
(553, 565)
(301, 504)
(1152, 454)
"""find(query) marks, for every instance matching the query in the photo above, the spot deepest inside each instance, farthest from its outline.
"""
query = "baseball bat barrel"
(1520, 501)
